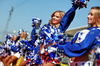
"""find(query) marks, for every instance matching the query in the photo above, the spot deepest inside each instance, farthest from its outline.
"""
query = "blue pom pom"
(20, 31)
(36, 22)
(8, 36)
(80, 3)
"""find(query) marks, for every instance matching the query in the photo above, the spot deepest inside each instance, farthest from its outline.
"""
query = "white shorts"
(1, 63)
(12, 53)
(17, 55)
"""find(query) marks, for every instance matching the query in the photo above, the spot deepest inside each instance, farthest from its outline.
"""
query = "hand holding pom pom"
(80, 3)
(8, 36)
(36, 22)
(20, 31)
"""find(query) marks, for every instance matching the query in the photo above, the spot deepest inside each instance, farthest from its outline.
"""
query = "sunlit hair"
(61, 15)
(25, 35)
(97, 15)
(14, 38)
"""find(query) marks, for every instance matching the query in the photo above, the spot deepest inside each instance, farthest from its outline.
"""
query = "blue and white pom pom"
(20, 31)
(36, 22)
(8, 36)
(80, 3)
(97, 48)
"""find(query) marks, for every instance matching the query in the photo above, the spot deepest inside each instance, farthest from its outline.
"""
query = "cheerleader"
(13, 42)
(5, 48)
(51, 35)
(31, 56)
(84, 40)
(16, 48)
(48, 35)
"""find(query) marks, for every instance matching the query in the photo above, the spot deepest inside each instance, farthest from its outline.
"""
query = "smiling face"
(56, 18)
(14, 38)
(91, 18)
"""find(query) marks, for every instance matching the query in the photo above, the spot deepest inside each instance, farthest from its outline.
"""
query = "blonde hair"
(14, 37)
(25, 35)
(61, 15)
(97, 15)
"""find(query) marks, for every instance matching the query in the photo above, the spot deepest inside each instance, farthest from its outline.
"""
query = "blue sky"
(25, 10)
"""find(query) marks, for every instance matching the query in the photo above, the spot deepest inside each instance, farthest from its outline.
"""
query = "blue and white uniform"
(85, 41)
(6, 46)
(29, 51)
(47, 36)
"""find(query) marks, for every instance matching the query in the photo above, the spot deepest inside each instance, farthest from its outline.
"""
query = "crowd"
(47, 47)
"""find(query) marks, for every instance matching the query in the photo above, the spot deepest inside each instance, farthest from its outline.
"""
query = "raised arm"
(33, 37)
(67, 18)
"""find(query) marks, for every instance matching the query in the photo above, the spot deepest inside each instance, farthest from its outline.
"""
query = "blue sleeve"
(33, 37)
(17, 39)
(78, 49)
(67, 18)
